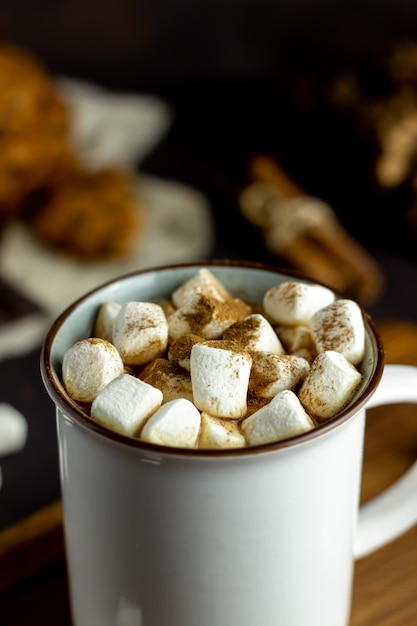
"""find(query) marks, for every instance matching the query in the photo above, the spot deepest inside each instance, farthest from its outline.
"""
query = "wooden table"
(33, 582)
(385, 586)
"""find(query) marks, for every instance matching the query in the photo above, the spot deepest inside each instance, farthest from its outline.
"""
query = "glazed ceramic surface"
(265, 535)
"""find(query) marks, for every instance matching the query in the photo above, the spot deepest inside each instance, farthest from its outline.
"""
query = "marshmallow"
(219, 376)
(290, 303)
(340, 327)
(88, 366)
(329, 385)
(216, 432)
(206, 316)
(224, 372)
(305, 353)
(180, 349)
(168, 307)
(13, 430)
(295, 337)
(272, 373)
(283, 417)
(255, 333)
(169, 377)
(140, 332)
(103, 326)
(203, 281)
(176, 423)
(125, 404)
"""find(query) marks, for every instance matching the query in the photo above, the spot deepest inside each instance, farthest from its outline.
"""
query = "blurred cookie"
(84, 214)
(90, 215)
(34, 129)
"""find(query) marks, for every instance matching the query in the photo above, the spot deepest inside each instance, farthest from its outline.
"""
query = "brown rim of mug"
(70, 408)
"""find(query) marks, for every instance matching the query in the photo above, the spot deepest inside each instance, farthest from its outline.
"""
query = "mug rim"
(70, 408)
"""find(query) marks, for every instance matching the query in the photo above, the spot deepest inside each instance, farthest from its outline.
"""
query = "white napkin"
(112, 129)
(13, 430)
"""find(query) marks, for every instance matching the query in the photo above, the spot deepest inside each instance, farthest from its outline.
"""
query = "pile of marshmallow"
(208, 370)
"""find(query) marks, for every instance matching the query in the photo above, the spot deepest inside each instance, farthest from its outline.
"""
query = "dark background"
(157, 44)
(242, 76)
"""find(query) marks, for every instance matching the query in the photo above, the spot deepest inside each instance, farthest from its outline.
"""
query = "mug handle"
(393, 512)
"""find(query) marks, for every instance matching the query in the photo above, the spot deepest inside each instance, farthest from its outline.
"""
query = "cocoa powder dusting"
(203, 312)
(180, 349)
(167, 376)
(227, 344)
(244, 331)
(289, 293)
(331, 327)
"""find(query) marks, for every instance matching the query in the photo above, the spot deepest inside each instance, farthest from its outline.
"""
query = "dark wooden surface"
(385, 586)
(33, 580)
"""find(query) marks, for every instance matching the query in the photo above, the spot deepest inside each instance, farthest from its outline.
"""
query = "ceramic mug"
(266, 535)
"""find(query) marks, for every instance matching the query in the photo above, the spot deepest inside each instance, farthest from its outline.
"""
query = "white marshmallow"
(168, 307)
(170, 378)
(180, 349)
(220, 433)
(140, 332)
(13, 430)
(125, 404)
(272, 373)
(88, 366)
(176, 424)
(103, 326)
(203, 281)
(292, 303)
(255, 333)
(295, 337)
(305, 353)
(219, 376)
(329, 385)
(283, 417)
(340, 327)
(206, 316)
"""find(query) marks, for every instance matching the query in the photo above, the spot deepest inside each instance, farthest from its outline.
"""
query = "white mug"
(264, 535)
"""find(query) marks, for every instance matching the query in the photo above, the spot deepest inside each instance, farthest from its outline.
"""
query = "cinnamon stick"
(328, 254)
